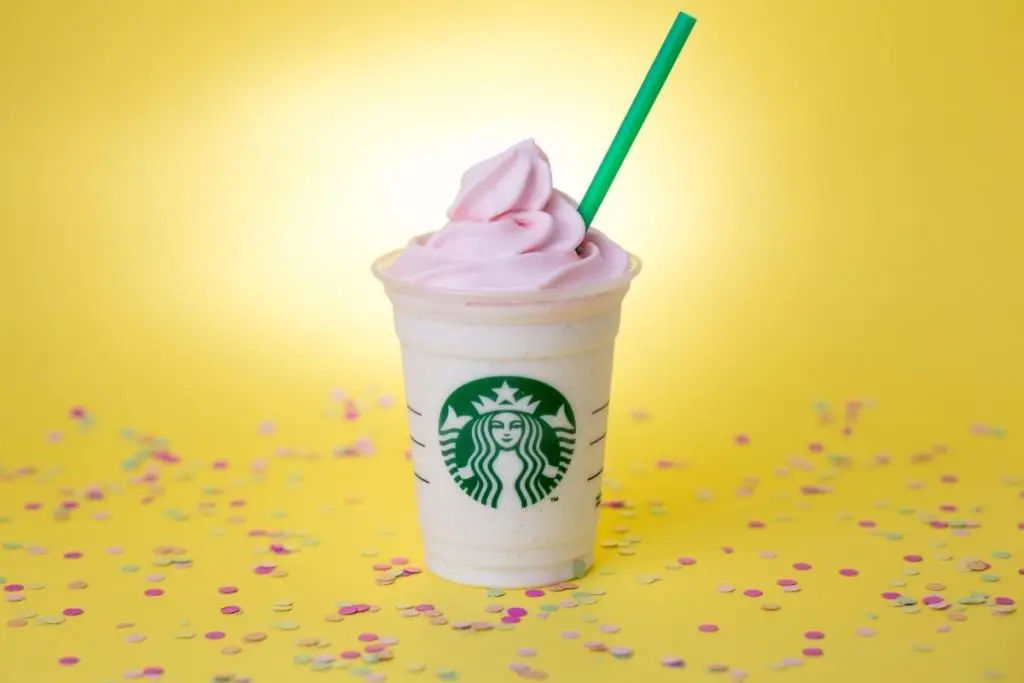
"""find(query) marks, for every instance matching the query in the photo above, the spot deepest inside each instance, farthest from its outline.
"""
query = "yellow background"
(827, 198)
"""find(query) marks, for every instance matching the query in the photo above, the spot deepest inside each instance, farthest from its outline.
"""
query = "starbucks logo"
(504, 436)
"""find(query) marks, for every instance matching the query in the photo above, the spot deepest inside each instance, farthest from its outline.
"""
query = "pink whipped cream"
(510, 229)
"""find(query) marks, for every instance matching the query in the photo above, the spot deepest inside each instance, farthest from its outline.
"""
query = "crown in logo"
(506, 401)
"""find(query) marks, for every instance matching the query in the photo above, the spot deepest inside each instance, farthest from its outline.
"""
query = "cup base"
(509, 578)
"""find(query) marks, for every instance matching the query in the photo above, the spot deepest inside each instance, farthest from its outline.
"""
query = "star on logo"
(505, 393)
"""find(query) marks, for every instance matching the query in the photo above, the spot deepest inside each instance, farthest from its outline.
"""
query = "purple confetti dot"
(509, 619)
(14, 587)
(848, 572)
(534, 593)
(753, 593)
(516, 612)
(230, 609)
(214, 635)
(814, 635)
(707, 628)
(154, 592)
(801, 566)
(1004, 601)
(73, 611)
(68, 661)
(813, 652)
(73, 555)
(912, 558)
(867, 523)
(153, 671)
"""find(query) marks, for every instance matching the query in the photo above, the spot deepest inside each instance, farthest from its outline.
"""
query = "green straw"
(636, 115)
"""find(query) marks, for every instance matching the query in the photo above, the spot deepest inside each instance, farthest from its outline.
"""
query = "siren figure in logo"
(507, 445)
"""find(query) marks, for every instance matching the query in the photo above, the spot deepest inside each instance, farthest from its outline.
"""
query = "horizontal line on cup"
(599, 439)
(413, 410)
(418, 443)
(595, 475)
(417, 475)
(601, 408)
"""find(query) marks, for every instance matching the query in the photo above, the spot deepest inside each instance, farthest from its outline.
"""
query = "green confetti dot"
(871, 615)
(162, 562)
(911, 609)
(907, 511)
(898, 582)
(894, 536)
(278, 514)
(361, 671)
(495, 593)
(1001, 554)
(12, 545)
(302, 659)
(549, 608)
(579, 568)
(989, 578)
(285, 625)
(447, 674)
(321, 666)
(185, 634)
(370, 658)
(129, 568)
(923, 647)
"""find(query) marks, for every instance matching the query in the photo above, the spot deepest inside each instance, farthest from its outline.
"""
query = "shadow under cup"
(507, 396)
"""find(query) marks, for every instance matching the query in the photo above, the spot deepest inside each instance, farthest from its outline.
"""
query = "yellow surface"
(828, 200)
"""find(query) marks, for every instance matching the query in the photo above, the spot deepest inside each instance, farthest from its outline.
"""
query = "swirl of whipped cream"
(509, 229)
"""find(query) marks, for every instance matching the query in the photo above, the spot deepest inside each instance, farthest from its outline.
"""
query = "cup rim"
(396, 285)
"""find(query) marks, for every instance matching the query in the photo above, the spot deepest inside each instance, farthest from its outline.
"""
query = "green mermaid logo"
(502, 434)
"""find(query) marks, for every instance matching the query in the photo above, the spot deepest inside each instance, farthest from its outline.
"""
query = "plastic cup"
(508, 396)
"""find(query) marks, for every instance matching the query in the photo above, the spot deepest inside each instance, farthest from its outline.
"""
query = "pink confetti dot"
(33, 505)
(399, 561)
(848, 572)
(949, 479)
(368, 637)
(230, 609)
(114, 550)
(570, 635)
(14, 587)
(534, 593)
(68, 661)
(72, 555)
(516, 612)
(932, 599)
(73, 611)
(912, 558)
(801, 566)
(867, 523)
(375, 647)
(786, 582)
(214, 635)
(154, 592)
(792, 661)
(425, 607)
(865, 631)
(741, 439)
(727, 550)
(409, 571)
(350, 654)
(938, 524)
(756, 524)
(707, 628)
(348, 610)
(686, 561)
(227, 590)
(813, 652)
(77, 413)
(509, 619)
(1004, 601)
(381, 567)
(890, 595)
(153, 671)
(753, 593)
(814, 635)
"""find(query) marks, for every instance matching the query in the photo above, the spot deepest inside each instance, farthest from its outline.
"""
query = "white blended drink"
(507, 334)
